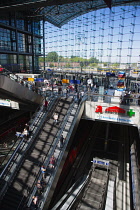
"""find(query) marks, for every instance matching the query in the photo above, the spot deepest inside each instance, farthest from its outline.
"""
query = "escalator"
(95, 193)
(29, 172)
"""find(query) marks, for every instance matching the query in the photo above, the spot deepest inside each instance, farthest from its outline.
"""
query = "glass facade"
(99, 39)
(20, 43)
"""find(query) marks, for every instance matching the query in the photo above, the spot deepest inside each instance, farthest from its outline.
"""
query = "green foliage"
(93, 64)
(93, 60)
(105, 64)
(115, 65)
(41, 59)
(52, 57)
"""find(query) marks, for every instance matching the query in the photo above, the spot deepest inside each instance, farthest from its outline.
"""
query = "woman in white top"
(55, 117)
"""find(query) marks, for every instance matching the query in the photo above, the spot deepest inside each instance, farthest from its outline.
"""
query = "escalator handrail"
(60, 154)
(38, 175)
(37, 110)
(17, 148)
(83, 180)
(47, 159)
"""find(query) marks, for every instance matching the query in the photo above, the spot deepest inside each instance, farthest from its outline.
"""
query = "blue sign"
(39, 80)
(100, 162)
(75, 81)
(110, 74)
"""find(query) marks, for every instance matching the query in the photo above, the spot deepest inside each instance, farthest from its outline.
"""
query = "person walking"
(61, 141)
(39, 187)
(52, 161)
(25, 133)
(43, 170)
(35, 202)
(27, 127)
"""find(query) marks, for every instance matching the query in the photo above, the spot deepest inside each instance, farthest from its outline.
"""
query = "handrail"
(11, 158)
(126, 101)
(50, 153)
(60, 156)
(78, 185)
(38, 108)
(38, 175)
(6, 167)
(18, 79)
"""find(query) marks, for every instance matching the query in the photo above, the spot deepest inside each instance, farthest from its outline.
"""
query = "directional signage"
(100, 162)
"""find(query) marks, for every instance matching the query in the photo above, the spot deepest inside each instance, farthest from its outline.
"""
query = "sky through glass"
(109, 35)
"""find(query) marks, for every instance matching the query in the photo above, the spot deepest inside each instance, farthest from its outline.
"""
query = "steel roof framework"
(59, 12)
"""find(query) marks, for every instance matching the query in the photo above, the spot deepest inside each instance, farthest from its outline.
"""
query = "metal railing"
(133, 100)
(22, 82)
(19, 153)
(68, 200)
(47, 159)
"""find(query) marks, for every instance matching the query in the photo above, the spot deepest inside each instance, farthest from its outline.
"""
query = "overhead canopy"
(59, 12)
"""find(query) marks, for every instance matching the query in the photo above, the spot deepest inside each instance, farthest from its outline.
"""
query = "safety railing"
(18, 155)
(22, 82)
(11, 150)
(60, 156)
(50, 153)
(133, 100)
(47, 159)
(135, 177)
(68, 200)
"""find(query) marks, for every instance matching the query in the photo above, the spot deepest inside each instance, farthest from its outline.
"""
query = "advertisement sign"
(31, 79)
(65, 81)
(75, 81)
(112, 112)
(39, 80)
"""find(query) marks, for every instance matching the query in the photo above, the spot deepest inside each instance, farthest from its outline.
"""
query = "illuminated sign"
(100, 161)
(115, 110)
(4, 103)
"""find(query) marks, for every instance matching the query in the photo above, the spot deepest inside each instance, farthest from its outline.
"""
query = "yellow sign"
(31, 79)
(65, 80)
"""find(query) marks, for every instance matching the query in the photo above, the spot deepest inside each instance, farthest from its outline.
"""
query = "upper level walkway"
(13, 90)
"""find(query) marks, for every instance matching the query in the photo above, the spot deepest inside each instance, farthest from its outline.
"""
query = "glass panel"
(20, 24)
(25, 63)
(9, 62)
(21, 42)
(37, 46)
(5, 42)
(36, 28)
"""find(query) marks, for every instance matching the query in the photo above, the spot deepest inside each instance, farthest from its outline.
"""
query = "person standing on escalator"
(61, 141)
(43, 170)
(55, 117)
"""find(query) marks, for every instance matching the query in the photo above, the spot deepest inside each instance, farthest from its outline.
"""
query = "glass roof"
(63, 12)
